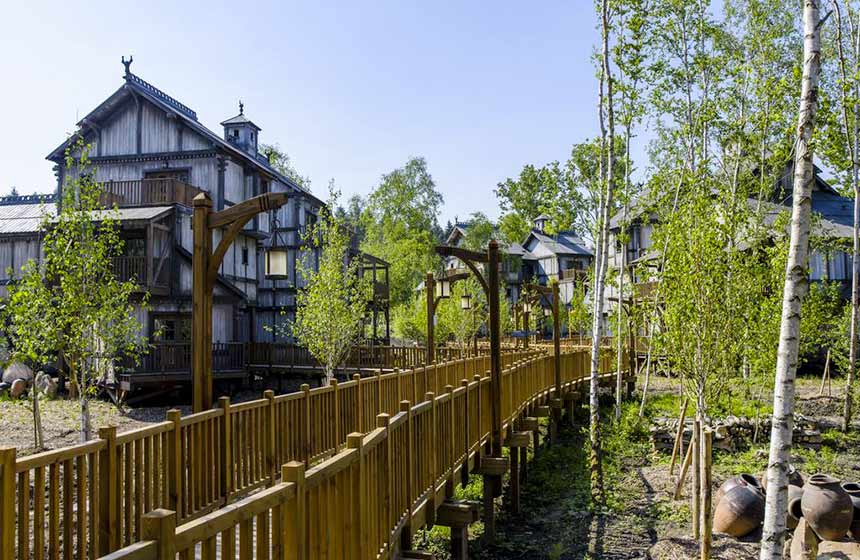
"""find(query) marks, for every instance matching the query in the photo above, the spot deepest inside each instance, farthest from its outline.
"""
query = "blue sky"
(349, 89)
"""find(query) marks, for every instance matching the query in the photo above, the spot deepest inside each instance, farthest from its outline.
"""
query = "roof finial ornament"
(241, 107)
(127, 63)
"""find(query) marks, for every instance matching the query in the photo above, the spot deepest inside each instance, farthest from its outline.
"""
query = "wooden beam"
(494, 466)
(462, 254)
(247, 209)
(459, 513)
(518, 439)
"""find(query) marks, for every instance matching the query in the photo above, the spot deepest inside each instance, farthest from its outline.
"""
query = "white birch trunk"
(796, 284)
(601, 260)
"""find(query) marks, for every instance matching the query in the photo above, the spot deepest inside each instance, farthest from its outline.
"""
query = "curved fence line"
(90, 499)
(362, 501)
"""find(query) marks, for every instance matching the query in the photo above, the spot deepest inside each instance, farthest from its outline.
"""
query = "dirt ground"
(61, 419)
(555, 522)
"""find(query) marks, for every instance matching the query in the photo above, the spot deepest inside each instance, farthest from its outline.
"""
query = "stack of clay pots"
(830, 508)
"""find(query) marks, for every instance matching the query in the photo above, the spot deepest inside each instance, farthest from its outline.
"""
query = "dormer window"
(235, 134)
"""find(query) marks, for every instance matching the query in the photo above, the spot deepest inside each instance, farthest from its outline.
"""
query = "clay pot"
(853, 491)
(794, 478)
(743, 479)
(795, 513)
(826, 507)
(740, 511)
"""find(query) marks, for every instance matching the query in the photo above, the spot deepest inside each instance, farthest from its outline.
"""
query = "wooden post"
(271, 461)
(306, 427)
(160, 526)
(8, 456)
(359, 417)
(406, 532)
(825, 377)
(356, 441)
(336, 397)
(108, 495)
(429, 287)
(293, 526)
(495, 345)
(174, 464)
(682, 476)
(489, 512)
(515, 479)
(706, 522)
(225, 450)
(695, 495)
(201, 294)
(677, 448)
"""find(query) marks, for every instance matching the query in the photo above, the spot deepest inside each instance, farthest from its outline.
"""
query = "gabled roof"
(136, 86)
(564, 243)
(240, 119)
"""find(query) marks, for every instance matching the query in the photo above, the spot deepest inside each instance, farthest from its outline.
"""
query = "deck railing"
(148, 192)
(90, 499)
(356, 503)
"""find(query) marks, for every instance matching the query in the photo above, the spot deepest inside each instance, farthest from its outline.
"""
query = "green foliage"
(283, 164)
(72, 303)
(332, 306)
(399, 223)
(479, 233)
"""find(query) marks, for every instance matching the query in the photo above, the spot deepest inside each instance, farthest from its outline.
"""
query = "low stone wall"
(733, 432)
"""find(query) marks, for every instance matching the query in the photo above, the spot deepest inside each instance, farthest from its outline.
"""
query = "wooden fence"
(90, 499)
(357, 503)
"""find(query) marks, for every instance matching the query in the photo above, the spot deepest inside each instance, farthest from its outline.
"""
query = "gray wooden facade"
(153, 156)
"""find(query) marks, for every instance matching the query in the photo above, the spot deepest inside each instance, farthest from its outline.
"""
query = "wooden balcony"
(135, 268)
(148, 192)
(175, 357)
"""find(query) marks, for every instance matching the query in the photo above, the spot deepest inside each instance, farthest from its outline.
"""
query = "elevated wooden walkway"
(344, 471)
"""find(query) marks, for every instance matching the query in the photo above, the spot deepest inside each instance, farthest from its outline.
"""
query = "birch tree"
(796, 283)
(607, 129)
(72, 303)
(331, 308)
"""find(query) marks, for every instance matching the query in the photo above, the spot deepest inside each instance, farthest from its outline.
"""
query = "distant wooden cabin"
(153, 156)
(538, 259)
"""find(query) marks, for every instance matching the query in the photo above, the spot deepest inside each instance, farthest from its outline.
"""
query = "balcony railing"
(135, 268)
(148, 192)
(175, 357)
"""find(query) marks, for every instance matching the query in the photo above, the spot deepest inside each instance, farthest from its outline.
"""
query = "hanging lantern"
(527, 307)
(547, 311)
(443, 288)
(466, 302)
(277, 267)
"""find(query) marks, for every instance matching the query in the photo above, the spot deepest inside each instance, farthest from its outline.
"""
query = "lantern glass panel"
(276, 263)
(466, 302)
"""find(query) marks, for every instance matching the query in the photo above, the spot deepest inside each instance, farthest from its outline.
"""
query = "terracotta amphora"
(795, 513)
(740, 511)
(826, 507)
(853, 490)
(743, 479)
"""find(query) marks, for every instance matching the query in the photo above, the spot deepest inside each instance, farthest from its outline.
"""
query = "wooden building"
(540, 257)
(153, 156)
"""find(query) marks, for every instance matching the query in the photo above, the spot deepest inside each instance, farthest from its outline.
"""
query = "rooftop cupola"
(241, 132)
(540, 223)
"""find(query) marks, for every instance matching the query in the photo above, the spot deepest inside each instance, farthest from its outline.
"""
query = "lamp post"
(204, 272)
(552, 291)
(490, 285)
(527, 309)
(435, 290)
